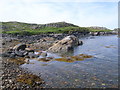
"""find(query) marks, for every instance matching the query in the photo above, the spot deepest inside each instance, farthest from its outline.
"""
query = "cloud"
(79, 13)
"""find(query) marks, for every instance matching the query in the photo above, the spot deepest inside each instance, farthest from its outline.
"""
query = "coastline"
(8, 76)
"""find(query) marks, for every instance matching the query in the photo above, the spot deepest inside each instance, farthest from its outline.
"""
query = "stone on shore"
(65, 44)
(20, 49)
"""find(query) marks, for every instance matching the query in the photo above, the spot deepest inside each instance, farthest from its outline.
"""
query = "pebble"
(10, 72)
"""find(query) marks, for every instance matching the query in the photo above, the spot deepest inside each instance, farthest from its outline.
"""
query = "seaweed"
(70, 59)
(77, 58)
(86, 56)
(64, 59)
(43, 59)
(29, 79)
(18, 61)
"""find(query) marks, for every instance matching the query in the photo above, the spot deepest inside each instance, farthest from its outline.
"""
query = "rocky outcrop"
(58, 24)
(98, 28)
(102, 33)
(65, 44)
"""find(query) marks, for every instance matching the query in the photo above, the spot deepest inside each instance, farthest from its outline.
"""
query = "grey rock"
(20, 49)
(65, 44)
(12, 55)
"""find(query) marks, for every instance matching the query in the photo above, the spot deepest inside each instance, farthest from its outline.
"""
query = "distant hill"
(98, 28)
(9, 26)
(14, 27)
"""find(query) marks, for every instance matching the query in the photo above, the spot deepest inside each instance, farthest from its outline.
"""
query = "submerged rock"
(65, 44)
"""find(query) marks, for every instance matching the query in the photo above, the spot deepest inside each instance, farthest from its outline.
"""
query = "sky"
(83, 13)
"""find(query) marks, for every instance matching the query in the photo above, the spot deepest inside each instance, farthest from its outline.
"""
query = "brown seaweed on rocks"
(70, 59)
(29, 79)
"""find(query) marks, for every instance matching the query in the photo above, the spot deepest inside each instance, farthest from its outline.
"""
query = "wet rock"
(21, 53)
(65, 44)
(6, 54)
(80, 42)
(12, 55)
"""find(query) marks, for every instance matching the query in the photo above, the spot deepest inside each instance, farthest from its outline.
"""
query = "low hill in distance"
(58, 27)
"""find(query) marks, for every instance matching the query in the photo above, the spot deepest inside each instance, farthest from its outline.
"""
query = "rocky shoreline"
(12, 71)
(12, 59)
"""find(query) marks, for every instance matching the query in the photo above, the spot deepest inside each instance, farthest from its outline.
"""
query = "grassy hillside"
(49, 30)
(30, 29)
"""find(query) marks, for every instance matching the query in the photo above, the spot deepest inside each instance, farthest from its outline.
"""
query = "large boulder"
(65, 44)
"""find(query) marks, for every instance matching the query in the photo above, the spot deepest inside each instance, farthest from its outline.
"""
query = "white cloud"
(36, 11)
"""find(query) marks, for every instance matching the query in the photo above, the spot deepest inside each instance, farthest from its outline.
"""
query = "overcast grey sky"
(80, 12)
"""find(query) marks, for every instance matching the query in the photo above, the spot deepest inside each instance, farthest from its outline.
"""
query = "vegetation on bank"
(48, 30)
(97, 30)
(32, 29)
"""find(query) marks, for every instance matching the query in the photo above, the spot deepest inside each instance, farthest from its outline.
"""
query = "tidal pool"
(100, 71)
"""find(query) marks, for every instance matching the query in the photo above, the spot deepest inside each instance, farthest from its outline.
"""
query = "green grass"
(27, 29)
(96, 30)
(47, 30)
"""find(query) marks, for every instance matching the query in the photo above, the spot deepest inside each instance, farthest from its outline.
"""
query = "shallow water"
(100, 71)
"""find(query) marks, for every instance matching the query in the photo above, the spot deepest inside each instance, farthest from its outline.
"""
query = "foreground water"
(96, 72)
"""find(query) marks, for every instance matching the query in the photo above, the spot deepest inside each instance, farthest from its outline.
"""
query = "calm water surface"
(100, 71)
